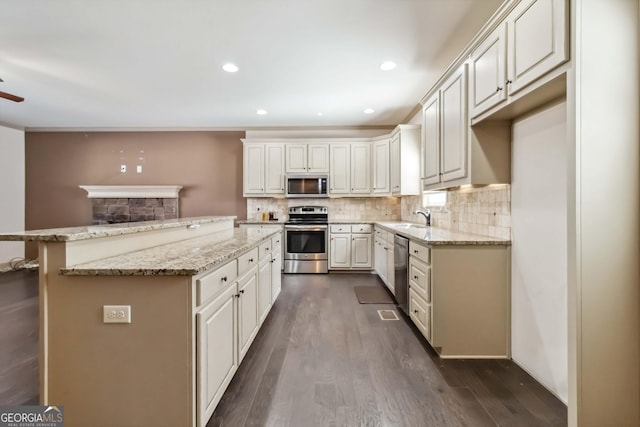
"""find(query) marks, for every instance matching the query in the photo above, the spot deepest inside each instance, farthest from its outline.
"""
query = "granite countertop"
(182, 258)
(439, 236)
(95, 231)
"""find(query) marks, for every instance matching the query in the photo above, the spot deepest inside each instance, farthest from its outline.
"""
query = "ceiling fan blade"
(10, 97)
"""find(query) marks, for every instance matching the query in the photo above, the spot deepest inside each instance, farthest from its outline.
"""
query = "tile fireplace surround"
(113, 204)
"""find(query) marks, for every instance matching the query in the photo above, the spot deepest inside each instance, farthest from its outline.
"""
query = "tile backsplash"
(482, 210)
(347, 208)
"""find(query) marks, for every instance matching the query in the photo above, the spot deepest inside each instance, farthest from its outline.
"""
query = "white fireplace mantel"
(132, 191)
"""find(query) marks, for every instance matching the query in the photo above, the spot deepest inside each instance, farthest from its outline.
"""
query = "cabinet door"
(340, 251)
(217, 351)
(431, 141)
(381, 167)
(318, 158)
(420, 313)
(247, 310)
(537, 34)
(360, 168)
(453, 98)
(339, 179)
(253, 165)
(361, 251)
(391, 271)
(274, 168)
(296, 158)
(487, 72)
(264, 289)
(276, 276)
(394, 163)
(380, 259)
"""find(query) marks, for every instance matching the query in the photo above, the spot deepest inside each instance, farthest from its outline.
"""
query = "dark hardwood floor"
(322, 359)
(19, 338)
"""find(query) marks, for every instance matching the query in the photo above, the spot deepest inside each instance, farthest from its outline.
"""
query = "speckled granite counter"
(186, 257)
(439, 236)
(108, 230)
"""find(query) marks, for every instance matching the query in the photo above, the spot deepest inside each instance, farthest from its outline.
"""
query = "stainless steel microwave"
(306, 185)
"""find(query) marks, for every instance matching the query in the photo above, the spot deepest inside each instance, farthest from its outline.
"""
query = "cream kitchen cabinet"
(263, 169)
(462, 312)
(381, 175)
(217, 351)
(340, 169)
(360, 168)
(445, 128)
(276, 266)
(532, 41)
(404, 148)
(248, 323)
(350, 246)
(383, 257)
(302, 158)
(264, 281)
(453, 153)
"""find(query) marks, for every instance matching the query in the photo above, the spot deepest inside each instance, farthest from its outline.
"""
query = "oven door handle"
(306, 227)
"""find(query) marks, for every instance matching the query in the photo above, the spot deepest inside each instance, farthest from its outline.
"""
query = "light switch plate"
(116, 314)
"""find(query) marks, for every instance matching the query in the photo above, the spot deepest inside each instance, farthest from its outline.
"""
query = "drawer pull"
(266, 249)
(237, 295)
(223, 279)
(415, 251)
(242, 291)
(415, 311)
(415, 277)
(250, 260)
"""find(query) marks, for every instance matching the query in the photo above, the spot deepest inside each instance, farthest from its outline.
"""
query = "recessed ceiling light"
(261, 112)
(369, 111)
(320, 113)
(230, 68)
(387, 65)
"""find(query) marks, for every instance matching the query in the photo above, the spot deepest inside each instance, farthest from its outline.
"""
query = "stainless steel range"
(306, 240)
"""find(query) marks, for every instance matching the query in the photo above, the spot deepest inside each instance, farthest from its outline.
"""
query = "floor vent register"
(388, 315)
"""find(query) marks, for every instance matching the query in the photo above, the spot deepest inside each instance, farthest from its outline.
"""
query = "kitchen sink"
(410, 225)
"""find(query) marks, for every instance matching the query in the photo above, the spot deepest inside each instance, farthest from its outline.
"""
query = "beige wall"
(207, 164)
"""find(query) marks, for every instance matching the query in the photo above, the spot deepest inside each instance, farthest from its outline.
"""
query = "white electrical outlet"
(116, 314)
(123, 168)
(139, 168)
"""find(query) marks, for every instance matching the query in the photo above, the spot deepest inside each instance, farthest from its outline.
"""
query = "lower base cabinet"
(350, 247)
(217, 351)
(228, 322)
(459, 298)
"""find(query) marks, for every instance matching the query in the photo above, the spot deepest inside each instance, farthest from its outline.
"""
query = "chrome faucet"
(426, 214)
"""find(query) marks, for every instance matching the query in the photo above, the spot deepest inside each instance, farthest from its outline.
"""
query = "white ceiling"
(157, 64)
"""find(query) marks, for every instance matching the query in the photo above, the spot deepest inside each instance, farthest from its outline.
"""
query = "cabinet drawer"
(265, 249)
(361, 228)
(420, 313)
(340, 228)
(420, 278)
(382, 234)
(421, 252)
(248, 260)
(276, 242)
(213, 283)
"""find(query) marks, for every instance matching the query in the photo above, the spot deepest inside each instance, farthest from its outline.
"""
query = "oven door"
(305, 242)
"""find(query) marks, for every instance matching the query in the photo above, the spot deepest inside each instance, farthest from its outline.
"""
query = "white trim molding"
(132, 191)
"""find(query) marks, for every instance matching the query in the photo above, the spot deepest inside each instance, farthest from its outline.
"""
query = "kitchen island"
(144, 324)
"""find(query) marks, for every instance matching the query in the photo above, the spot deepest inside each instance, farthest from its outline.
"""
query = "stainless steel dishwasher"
(401, 272)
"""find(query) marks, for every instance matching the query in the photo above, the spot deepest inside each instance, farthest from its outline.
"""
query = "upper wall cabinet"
(307, 158)
(350, 169)
(381, 181)
(263, 172)
(444, 143)
(405, 160)
(453, 153)
(530, 42)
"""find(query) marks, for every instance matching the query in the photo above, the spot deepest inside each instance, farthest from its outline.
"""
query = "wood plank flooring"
(19, 338)
(322, 359)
